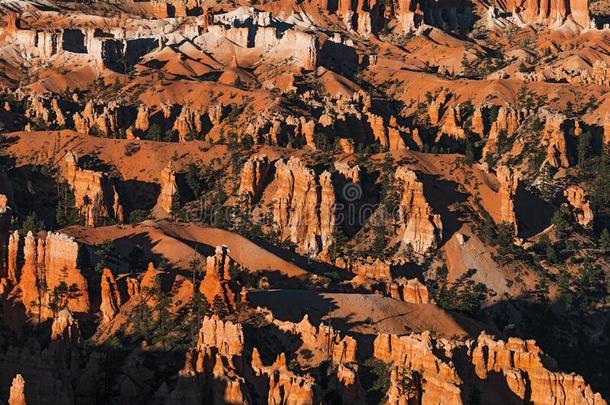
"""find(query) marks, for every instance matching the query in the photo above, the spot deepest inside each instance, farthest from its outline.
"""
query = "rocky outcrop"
(417, 224)
(13, 250)
(285, 387)
(220, 344)
(65, 327)
(215, 285)
(303, 206)
(17, 392)
(253, 178)
(28, 283)
(349, 173)
(579, 201)
(94, 194)
(150, 285)
(366, 269)
(529, 373)
(324, 338)
(169, 197)
(452, 124)
(509, 182)
(409, 290)
(111, 298)
(440, 382)
(506, 124)
(552, 14)
(478, 122)
(141, 123)
(188, 123)
(222, 337)
(348, 384)
(97, 119)
(432, 367)
(554, 138)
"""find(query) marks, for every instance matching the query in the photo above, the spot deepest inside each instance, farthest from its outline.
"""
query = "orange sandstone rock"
(111, 298)
(169, 197)
(215, 284)
(579, 201)
(412, 291)
(253, 178)
(509, 182)
(418, 225)
(17, 392)
(303, 207)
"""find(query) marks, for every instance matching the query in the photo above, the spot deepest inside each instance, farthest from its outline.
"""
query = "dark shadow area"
(532, 212)
(441, 194)
(338, 57)
(138, 195)
(74, 41)
(137, 48)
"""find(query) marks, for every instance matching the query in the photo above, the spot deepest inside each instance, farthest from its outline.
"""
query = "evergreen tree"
(584, 145)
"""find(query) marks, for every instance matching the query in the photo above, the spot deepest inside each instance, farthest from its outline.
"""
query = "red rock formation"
(215, 284)
(169, 197)
(401, 390)
(141, 122)
(478, 123)
(582, 208)
(528, 372)
(554, 138)
(13, 249)
(322, 339)
(224, 337)
(285, 387)
(188, 123)
(351, 173)
(434, 112)
(369, 269)
(410, 15)
(226, 386)
(452, 124)
(94, 193)
(418, 225)
(60, 255)
(111, 298)
(253, 177)
(65, 327)
(90, 121)
(50, 260)
(348, 386)
(509, 181)
(17, 393)
(507, 123)
(29, 274)
(151, 283)
(303, 215)
(440, 382)
(552, 14)
(412, 291)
